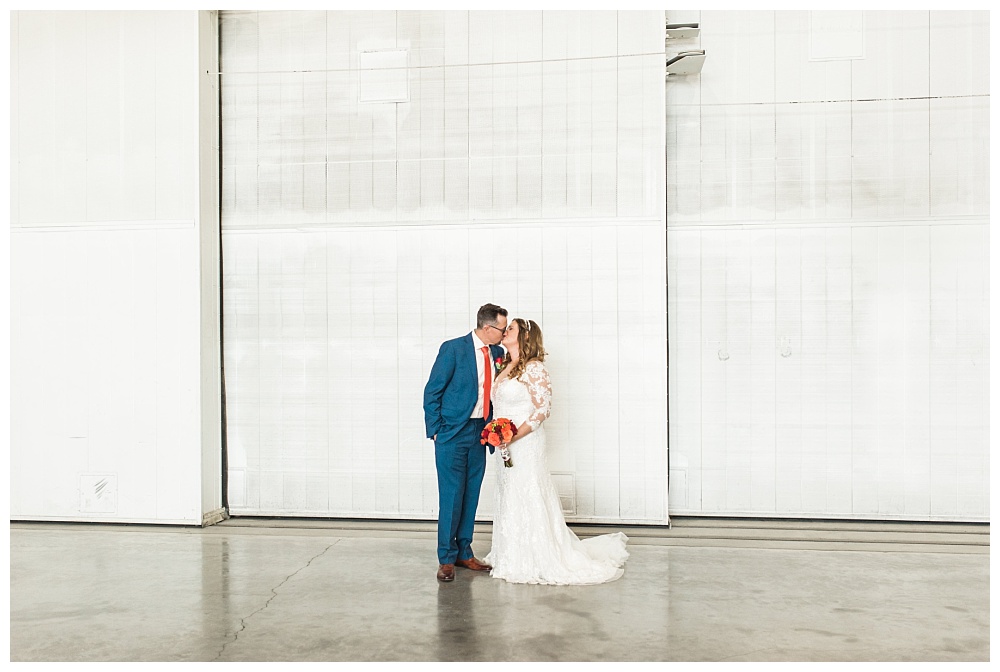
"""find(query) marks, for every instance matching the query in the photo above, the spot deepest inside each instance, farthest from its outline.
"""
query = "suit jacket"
(452, 389)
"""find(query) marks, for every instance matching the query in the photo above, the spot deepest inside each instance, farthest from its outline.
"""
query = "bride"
(531, 543)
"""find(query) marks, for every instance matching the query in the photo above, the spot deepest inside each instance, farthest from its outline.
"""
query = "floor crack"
(274, 594)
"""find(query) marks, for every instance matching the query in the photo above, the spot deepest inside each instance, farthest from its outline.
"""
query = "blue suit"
(449, 398)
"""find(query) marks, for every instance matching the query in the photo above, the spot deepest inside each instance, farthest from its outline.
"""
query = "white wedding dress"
(531, 543)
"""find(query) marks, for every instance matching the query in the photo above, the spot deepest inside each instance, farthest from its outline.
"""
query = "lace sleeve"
(536, 378)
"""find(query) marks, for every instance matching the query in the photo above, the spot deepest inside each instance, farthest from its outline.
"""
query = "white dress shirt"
(483, 371)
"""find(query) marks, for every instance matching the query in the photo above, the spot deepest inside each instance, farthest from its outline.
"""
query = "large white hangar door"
(516, 158)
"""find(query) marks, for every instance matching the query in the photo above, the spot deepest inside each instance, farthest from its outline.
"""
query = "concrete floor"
(252, 592)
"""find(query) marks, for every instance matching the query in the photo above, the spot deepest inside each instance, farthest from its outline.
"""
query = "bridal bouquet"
(500, 430)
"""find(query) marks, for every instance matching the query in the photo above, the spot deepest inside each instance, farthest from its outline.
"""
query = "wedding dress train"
(531, 543)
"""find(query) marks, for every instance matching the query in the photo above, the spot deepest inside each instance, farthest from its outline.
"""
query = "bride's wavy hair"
(529, 346)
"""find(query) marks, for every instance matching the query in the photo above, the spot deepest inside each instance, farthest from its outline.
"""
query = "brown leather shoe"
(474, 565)
(446, 573)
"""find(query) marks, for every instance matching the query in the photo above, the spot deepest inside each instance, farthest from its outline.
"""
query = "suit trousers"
(461, 465)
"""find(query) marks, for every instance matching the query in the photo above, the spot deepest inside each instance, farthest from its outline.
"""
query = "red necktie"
(487, 382)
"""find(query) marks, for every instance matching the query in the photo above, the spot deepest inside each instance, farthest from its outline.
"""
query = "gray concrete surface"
(260, 593)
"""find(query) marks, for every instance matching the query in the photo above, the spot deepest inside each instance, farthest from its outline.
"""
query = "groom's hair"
(489, 314)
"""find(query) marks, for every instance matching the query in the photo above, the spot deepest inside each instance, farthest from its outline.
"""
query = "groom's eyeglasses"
(502, 331)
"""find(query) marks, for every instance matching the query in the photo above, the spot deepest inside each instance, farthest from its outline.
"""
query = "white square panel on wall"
(740, 67)
(890, 159)
(855, 341)
(894, 42)
(111, 371)
(799, 78)
(959, 158)
(836, 35)
(959, 53)
(376, 393)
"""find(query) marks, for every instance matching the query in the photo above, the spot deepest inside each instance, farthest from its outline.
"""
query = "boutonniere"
(498, 364)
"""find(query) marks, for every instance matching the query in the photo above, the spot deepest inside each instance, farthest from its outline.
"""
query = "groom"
(456, 408)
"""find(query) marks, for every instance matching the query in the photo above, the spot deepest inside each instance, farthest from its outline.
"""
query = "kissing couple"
(498, 371)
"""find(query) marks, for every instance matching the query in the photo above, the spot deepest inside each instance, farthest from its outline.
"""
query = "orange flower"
(493, 439)
(507, 434)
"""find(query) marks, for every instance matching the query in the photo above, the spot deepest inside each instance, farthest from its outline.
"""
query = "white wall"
(828, 267)
(358, 236)
(114, 267)
(828, 226)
